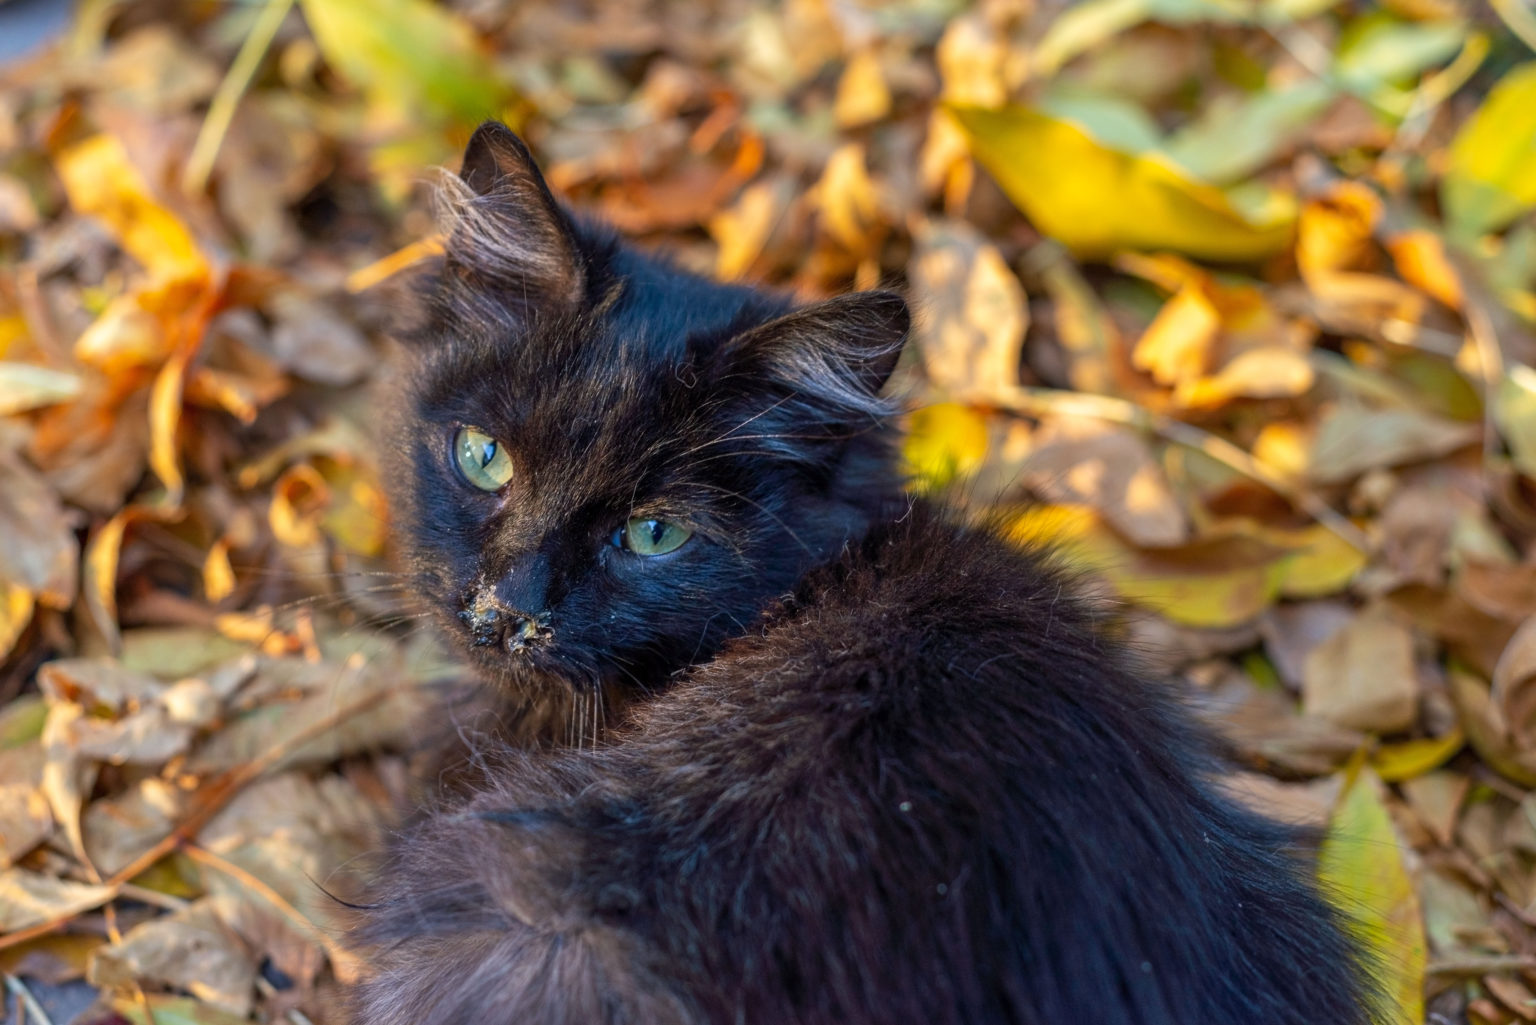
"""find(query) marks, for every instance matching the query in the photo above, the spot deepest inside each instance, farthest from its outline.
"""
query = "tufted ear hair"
(818, 370)
(506, 231)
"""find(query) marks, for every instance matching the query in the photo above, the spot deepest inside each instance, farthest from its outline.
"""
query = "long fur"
(865, 764)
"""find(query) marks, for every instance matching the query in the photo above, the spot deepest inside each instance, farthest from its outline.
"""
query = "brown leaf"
(28, 898)
(37, 543)
(1363, 676)
(1111, 469)
(118, 829)
(1352, 440)
(25, 819)
(971, 311)
(191, 949)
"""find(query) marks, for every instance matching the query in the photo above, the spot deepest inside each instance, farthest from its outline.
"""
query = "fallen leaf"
(1351, 440)
(25, 386)
(1112, 469)
(1363, 676)
(1360, 867)
(972, 314)
(117, 830)
(1491, 176)
(1176, 347)
(1410, 759)
(101, 181)
(164, 1010)
(15, 613)
(412, 57)
(944, 442)
(862, 95)
(29, 898)
(1515, 412)
(1059, 175)
(190, 949)
(25, 819)
(38, 550)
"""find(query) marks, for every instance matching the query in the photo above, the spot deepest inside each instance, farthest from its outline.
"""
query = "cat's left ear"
(508, 230)
(834, 356)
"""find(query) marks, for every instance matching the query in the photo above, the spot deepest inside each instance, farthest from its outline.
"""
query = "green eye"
(481, 459)
(652, 537)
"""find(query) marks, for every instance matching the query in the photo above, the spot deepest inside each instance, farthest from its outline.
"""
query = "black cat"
(865, 764)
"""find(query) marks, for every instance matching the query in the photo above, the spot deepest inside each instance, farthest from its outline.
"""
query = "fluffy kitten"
(870, 765)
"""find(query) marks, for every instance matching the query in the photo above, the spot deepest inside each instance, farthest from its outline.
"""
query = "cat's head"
(605, 466)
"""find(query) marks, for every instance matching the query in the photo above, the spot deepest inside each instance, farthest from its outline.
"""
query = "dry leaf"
(971, 308)
(37, 543)
(28, 898)
(191, 950)
(1352, 440)
(1363, 676)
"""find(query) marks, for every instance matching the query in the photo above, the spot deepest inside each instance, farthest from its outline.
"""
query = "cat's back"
(918, 791)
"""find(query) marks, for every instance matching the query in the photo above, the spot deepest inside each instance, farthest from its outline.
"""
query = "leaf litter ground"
(1231, 302)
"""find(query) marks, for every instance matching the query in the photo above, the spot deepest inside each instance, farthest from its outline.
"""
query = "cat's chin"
(536, 667)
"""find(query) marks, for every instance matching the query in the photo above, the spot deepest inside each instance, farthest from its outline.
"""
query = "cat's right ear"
(506, 231)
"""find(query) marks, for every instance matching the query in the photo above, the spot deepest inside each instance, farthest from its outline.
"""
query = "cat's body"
(873, 766)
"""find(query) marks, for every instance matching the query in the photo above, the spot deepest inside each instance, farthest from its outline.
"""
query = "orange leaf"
(101, 181)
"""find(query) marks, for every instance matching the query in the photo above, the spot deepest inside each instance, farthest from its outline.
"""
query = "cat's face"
(609, 467)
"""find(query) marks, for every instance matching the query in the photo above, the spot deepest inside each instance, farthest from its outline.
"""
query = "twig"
(218, 794)
(1035, 401)
(22, 993)
(194, 178)
(342, 962)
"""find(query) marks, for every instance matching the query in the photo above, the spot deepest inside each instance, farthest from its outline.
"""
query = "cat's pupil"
(487, 453)
(657, 529)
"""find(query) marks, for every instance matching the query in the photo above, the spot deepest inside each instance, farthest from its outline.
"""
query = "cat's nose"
(489, 625)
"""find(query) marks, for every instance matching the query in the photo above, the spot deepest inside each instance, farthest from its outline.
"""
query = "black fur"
(868, 765)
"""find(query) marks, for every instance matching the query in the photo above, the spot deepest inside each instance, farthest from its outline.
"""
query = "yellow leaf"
(1491, 177)
(356, 515)
(101, 555)
(847, 199)
(101, 181)
(1411, 759)
(1176, 347)
(1361, 868)
(15, 614)
(25, 386)
(1098, 200)
(1264, 373)
(413, 57)
(1333, 233)
(125, 335)
(299, 498)
(218, 574)
(944, 442)
(164, 421)
(862, 95)
(1421, 260)
(1324, 563)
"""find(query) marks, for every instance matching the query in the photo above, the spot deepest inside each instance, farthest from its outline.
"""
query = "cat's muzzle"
(490, 626)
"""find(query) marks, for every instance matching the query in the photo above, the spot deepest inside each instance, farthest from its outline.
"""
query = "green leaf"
(1083, 26)
(1060, 175)
(410, 56)
(1491, 178)
(1515, 412)
(1231, 140)
(1380, 49)
(1361, 868)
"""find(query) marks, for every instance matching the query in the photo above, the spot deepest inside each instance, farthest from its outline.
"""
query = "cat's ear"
(833, 356)
(506, 229)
